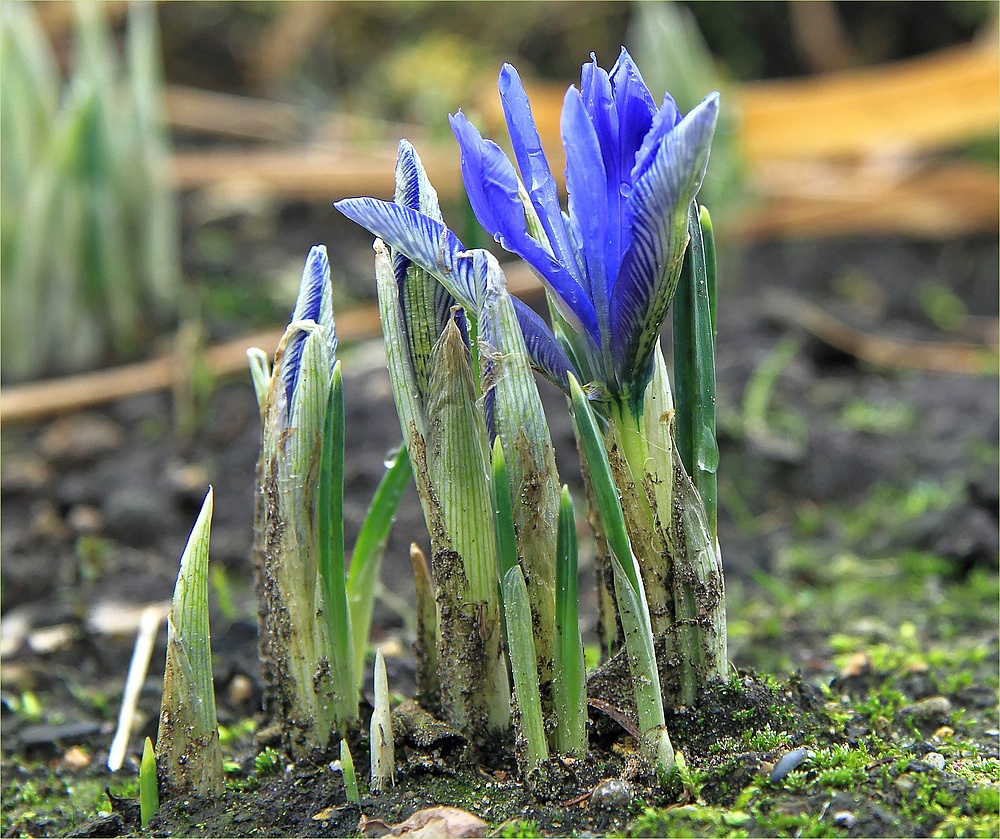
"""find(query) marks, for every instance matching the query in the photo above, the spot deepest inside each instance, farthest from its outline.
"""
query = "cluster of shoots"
(461, 354)
(498, 647)
(85, 165)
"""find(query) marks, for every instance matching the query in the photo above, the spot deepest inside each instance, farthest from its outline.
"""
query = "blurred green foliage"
(88, 230)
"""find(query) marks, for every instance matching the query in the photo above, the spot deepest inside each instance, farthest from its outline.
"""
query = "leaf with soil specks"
(443, 822)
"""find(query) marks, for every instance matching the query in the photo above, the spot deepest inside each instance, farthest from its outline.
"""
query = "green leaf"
(330, 515)
(350, 777)
(187, 742)
(645, 675)
(149, 794)
(369, 547)
(520, 643)
(458, 463)
(694, 365)
(605, 491)
(503, 512)
(569, 688)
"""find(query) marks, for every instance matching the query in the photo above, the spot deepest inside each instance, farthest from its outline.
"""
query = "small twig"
(143, 651)
(583, 796)
(617, 715)
(38, 400)
(934, 356)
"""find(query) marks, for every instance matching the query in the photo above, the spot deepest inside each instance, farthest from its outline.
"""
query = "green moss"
(519, 829)
(688, 821)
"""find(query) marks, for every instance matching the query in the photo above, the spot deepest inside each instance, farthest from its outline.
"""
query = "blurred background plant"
(89, 231)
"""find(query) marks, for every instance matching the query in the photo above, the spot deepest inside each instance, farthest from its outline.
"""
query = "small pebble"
(24, 474)
(845, 819)
(788, 762)
(240, 689)
(85, 520)
(935, 760)
(76, 758)
(80, 438)
(926, 709)
(904, 784)
(945, 732)
(611, 794)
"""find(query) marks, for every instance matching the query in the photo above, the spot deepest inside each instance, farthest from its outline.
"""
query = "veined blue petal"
(489, 178)
(547, 357)
(426, 241)
(413, 189)
(535, 170)
(597, 94)
(492, 186)
(586, 182)
(665, 120)
(634, 104)
(425, 303)
(635, 108)
(314, 302)
(660, 201)
(315, 276)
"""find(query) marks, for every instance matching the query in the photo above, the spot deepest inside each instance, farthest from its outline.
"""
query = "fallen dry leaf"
(441, 822)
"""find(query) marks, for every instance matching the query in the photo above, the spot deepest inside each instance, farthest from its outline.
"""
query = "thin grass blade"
(330, 513)
(656, 745)
(369, 548)
(694, 369)
(350, 776)
(520, 642)
(503, 512)
(569, 685)
(605, 491)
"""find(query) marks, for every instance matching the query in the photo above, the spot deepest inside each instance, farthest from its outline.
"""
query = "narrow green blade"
(330, 513)
(569, 688)
(520, 642)
(503, 511)
(605, 491)
(149, 794)
(369, 547)
(694, 367)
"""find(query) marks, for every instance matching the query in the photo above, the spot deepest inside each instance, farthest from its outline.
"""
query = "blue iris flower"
(611, 264)
(313, 303)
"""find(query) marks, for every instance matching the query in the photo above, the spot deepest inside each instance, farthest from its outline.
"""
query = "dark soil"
(858, 523)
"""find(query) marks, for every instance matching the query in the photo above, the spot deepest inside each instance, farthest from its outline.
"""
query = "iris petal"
(311, 304)
(492, 186)
(490, 179)
(535, 169)
(425, 303)
(586, 183)
(547, 357)
(635, 109)
(660, 201)
(665, 120)
(426, 241)
(598, 96)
